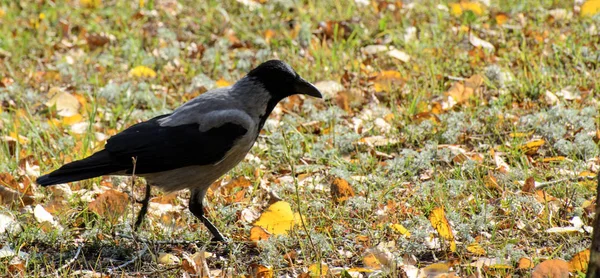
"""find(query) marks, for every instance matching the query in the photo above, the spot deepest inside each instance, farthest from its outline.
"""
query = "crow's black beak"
(304, 87)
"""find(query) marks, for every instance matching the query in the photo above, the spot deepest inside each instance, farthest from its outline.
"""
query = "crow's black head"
(281, 80)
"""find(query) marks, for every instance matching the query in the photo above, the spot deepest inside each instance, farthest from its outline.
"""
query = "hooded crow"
(197, 143)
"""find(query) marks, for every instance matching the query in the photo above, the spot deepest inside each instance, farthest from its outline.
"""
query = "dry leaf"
(590, 8)
(442, 226)
(110, 205)
(400, 229)
(371, 262)
(222, 83)
(278, 218)
(551, 268)
(142, 72)
(318, 270)
(501, 18)
(167, 259)
(529, 185)
(387, 81)
(457, 9)
(476, 249)
(66, 104)
(341, 190)
(525, 263)
(261, 271)
(580, 261)
(531, 147)
(258, 234)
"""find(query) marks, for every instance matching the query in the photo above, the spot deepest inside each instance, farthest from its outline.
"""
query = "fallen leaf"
(387, 81)
(110, 205)
(531, 147)
(329, 88)
(142, 72)
(66, 104)
(590, 8)
(442, 226)
(478, 42)
(555, 268)
(318, 270)
(580, 261)
(457, 9)
(41, 216)
(167, 259)
(278, 218)
(529, 185)
(501, 18)
(476, 249)
(371, 262)
(222, 83)
(398, 54)
(258, 234)
(341, 190)
(400, 229)
(261, 271)
(525, 263)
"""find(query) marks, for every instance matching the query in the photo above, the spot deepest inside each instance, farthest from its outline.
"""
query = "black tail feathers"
(96, 165)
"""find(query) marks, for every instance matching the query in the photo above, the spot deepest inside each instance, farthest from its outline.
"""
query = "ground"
(454, 138)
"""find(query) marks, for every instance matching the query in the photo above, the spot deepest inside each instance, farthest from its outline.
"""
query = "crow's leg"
(144, 208)
(196, 208)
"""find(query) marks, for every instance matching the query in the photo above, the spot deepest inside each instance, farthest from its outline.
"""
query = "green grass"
(399, 183)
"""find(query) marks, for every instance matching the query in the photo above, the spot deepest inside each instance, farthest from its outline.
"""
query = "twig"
(148, 241)
(135, 258)
(70, 261)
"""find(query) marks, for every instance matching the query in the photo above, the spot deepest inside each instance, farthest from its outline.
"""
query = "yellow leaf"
(457, 9)
(341, 190)
(553, 159)
(66, 104)
(42, 16)
(222, 83)
(92, 4)
(258, 234)
(317, 270)
(2, 13)
(142, 3)
(442, 226)
(400, 229)
(580, 261)
(143, 72)
(501, 18)
(387, 80)
(590, 8)
(72, 119)
(476, 249)
(532, 146)
(524, 263)
(278, 218)
(167, 259)
(261, 271)
(371, 262)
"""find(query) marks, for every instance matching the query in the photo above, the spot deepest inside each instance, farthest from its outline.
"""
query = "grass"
(189, 44)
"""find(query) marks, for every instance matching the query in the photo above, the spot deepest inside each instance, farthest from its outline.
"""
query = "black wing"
(157, 148)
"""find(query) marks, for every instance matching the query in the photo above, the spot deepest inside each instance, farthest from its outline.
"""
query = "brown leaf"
(580, 261)
(110, 204)
(555, 268)
(258, 233)
(339, 29)
(341, 190)
(525, 263)
(529, 185)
